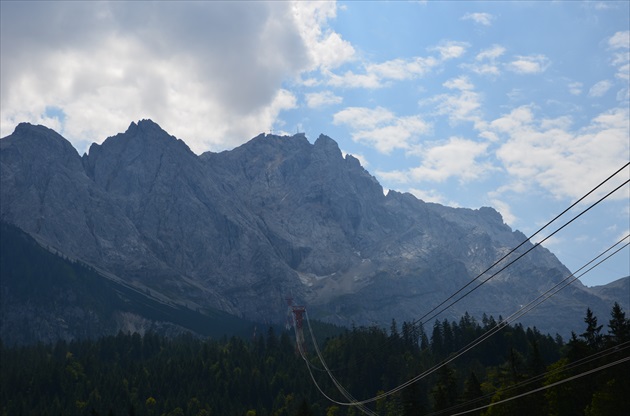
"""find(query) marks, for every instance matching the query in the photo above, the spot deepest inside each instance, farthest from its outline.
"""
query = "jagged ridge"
(278, 216)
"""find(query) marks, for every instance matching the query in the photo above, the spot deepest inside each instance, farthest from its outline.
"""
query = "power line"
(516, 259)
(583, 361)
(422, 320)
(518, 314)
(521, 312)
(334, 380)
(340, 387)
(585, 373)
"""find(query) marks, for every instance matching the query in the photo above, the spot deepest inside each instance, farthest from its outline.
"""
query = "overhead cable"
(309, 366)
(421, 319)
(501, 325)
(573, 365)
(585, 373)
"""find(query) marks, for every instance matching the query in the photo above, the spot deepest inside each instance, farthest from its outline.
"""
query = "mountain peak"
(25, 128)
(44, 141)
(143, 147)
(237, 229)
(146, 127)
(328, 146)
(145, 135)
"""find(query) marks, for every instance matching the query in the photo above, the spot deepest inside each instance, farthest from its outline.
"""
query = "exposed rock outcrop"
(241, 230)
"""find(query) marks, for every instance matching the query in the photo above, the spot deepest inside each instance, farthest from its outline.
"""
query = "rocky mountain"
(46, 298)
(277, 217)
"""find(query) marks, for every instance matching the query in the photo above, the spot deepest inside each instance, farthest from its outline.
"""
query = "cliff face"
(278, 216)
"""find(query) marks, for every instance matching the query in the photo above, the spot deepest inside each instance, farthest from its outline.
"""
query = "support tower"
(298, 320)
(298, 314)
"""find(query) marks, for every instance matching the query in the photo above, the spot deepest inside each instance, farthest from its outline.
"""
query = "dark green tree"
(472, 393)
(437, 341)
(444, 392)
(592, 335)
(618, 326)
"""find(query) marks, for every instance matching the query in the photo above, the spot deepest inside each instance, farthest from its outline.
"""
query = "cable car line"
(585, 373)
(421, 319)
(521, 312)
(532, 236)
(583, 361)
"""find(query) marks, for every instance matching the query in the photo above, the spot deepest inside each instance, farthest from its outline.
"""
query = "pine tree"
(472, 392)
(618, 326)
(445, 391)
(592, 334)
(437, 342)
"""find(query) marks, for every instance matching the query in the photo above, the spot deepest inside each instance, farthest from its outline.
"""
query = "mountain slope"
(47, 298)
(278, 216)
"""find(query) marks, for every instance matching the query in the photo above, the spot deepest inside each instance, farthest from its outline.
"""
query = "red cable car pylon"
(297, 314)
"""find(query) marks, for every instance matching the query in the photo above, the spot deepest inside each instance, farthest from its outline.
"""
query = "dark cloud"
(159, 58)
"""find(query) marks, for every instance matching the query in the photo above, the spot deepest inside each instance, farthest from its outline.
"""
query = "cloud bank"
(211, 72)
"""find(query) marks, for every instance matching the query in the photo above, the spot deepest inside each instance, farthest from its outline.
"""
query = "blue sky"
(522, 106)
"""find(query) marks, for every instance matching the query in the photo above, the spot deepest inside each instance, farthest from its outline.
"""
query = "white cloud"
(454, 158)
(620, 40)
(461, 83)
(484, 19)
(457, 157)
(326, 47)
(484, 68)
(308, 82)
(600, 88)
(554, 243)
(378, 75)
(619, 43)
(401, 69)
(491, 53)
(575, 88)
(531, 64)
(185, 65)
(450, 49)
(623, 72)
(322, 99)
(464, 105)
(431, 195)
(266, 116)
(364, 162)
(351, 80)
(363, 118)
(621, 235)
(564, 161)
(620, 58)
(486, 61)
(380, 128)
(506, 212)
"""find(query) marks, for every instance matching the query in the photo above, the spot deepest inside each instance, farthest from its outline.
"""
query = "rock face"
(276, 217)
(46, 298)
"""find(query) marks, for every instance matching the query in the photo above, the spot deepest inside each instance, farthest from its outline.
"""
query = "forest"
(519, 370)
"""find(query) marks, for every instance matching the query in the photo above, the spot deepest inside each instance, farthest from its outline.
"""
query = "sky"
(521, 106)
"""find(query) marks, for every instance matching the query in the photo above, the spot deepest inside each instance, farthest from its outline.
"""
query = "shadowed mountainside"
(277, 217)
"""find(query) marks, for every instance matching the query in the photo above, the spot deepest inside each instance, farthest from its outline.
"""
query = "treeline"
(129, 374)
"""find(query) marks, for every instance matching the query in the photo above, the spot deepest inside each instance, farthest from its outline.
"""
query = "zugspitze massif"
(241, 230)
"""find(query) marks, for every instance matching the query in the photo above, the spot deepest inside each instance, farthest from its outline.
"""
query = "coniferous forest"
(130, 374)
